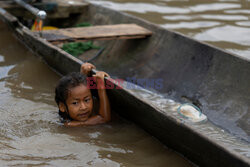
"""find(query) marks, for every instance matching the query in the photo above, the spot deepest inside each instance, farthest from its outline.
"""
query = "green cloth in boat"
(84, 24)
(78, 48)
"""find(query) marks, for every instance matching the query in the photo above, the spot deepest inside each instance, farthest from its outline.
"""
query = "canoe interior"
(216, 81)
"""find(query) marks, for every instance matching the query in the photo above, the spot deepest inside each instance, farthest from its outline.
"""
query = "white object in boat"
(191, 112)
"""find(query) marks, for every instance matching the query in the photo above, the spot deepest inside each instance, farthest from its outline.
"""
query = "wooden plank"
(122, 31)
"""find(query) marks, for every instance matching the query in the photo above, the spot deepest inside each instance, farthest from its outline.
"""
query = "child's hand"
(100, 79)
(74, 124)
(86, 68)
(101, 75)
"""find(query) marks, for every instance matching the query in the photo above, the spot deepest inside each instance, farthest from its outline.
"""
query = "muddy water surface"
(31, 134)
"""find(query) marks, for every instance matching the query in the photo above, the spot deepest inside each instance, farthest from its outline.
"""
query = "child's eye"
(87, 100)
(75, 103)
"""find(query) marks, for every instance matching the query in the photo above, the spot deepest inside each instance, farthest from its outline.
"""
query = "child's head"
(73, 98)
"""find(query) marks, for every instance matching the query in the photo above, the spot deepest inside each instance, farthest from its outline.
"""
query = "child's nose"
(83, 106)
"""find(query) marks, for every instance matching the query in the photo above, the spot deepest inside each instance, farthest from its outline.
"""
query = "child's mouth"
(83, 114)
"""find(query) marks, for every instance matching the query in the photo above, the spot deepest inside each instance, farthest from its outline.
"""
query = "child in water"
(75, 100)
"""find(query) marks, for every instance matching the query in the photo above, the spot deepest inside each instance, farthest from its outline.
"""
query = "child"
(75, 101)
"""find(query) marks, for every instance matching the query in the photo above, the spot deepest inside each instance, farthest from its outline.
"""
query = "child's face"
(80, 103)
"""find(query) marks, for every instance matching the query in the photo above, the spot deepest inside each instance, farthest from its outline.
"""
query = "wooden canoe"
(216, 80)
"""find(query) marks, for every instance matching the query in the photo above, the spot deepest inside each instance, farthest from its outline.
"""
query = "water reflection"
(243, 23)
(142, 7)
(213, 7)
(238, 11)
(188, 25)
(237, 35)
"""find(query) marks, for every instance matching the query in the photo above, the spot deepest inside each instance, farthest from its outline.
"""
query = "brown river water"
(31, 134)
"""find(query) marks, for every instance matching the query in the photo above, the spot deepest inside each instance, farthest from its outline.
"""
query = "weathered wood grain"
(121, 31)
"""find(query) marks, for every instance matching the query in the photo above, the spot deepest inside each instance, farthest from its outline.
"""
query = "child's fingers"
(101, 74)
(100, 79)
(86, 68)
(105, 74)
(91, 66)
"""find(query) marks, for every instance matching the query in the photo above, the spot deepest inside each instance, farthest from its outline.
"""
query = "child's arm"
(104, 110)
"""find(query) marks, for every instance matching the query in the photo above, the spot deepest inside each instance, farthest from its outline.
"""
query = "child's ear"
(62, 107)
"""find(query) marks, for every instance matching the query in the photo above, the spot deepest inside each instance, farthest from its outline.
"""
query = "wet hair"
(66, 83)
